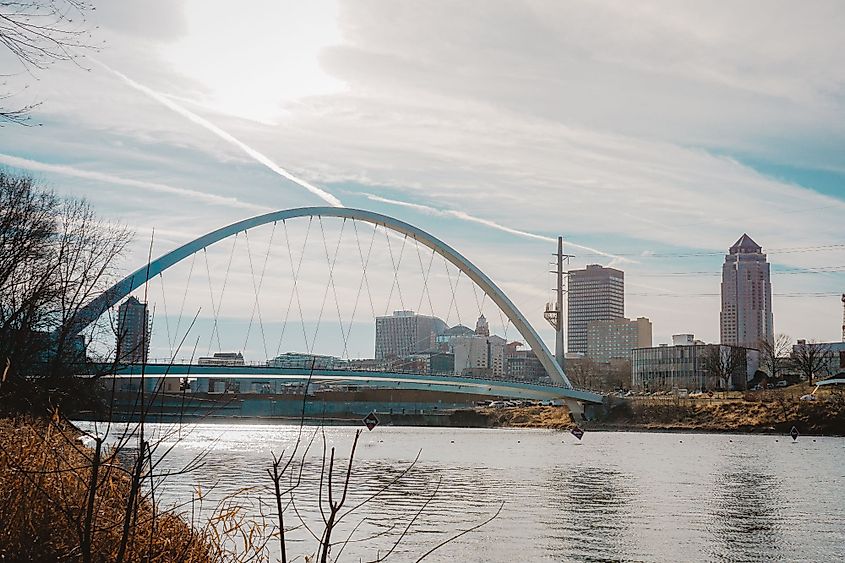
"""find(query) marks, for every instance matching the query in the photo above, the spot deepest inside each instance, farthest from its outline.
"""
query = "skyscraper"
(595, 293)
(405, 333)
(133, 332)
(746, 316)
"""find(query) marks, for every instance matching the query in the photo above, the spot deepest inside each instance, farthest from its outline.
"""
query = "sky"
(651, 135)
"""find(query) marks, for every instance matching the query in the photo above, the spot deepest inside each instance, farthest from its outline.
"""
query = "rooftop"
(745, 244)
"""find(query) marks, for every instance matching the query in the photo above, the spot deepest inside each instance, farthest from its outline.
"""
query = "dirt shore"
(773, 412)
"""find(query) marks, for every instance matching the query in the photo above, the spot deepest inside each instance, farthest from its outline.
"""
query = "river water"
(612, 496)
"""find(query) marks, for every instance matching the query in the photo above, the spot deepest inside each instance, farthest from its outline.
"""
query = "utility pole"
(843, 317)
(554, 311)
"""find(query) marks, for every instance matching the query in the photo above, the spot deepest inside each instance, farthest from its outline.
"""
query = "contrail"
(201, 121)
(488, 223)
(65, 170)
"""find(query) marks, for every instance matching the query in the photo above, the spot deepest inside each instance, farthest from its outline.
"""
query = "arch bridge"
(136, 279)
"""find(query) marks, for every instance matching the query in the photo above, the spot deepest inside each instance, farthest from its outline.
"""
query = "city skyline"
(651, 158)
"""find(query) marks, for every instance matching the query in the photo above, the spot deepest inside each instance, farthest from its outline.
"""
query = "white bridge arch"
(116, 293)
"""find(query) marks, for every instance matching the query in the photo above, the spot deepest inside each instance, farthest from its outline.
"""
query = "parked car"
(782, 383)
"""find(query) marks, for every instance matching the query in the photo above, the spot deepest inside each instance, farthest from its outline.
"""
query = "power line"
(785, 250)
(788, 295)
(794, 271)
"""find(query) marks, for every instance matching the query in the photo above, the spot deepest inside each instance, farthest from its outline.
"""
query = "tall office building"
(405, 333)
(133, 332)
(610, 340)
(594, 294)
(746, 317)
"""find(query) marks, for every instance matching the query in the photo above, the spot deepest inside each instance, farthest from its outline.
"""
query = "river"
(612, 496)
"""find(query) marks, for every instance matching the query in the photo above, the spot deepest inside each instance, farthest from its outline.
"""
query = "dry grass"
(763, 411)
(531, 417)
(44, 497)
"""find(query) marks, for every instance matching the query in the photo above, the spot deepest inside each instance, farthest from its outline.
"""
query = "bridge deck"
(459, 384)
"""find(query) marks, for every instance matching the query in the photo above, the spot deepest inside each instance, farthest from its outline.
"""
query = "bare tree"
(583, 372)
(811, 358)
(55, 256)
(774, 355)
(618, 375)
(723, 364)
(39, 33)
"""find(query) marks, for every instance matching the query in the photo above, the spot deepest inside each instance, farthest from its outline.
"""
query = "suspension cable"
(215, 328)
(211, 295)
(477, 302)
(185, 294)
(425, 276)
(166, 319)
(331, 263)
(396, 265)
(256, 306)
(295, 270)
(453, 289)
(364, 264)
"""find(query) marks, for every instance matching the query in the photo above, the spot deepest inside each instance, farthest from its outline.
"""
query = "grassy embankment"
(51, 512)
(765, 411)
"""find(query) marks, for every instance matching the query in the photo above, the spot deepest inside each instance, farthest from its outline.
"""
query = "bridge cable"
(478, 303)
(185, 295)
(396, 265)
(364, 264)
(505, 325)
(344, 335)
(425, 291)
(166, 320)
(294, 274)
(425, 276)
(213, 304)
(453, 289)
(295, 270)
(215, 330)
(330, 264)
(256, 306)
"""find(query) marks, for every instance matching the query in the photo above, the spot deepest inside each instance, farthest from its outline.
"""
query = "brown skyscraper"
(746, 316)
(595, 293)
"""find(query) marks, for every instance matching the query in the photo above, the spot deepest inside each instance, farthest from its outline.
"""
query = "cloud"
(463, 216)
(201, 121)
(610, 122)
(66, 170)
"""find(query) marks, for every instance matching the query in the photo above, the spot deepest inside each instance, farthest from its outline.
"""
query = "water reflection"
(651, 497)
(591, 507)
(746, 512)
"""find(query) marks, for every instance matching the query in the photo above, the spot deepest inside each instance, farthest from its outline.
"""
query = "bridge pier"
(583, 411)
(576, 408)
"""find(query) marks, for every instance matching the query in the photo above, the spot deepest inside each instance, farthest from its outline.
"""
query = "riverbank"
(774, 414)
(51, 511)
(752, 413)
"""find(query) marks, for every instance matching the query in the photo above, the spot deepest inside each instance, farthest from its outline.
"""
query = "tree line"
(56, 255)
